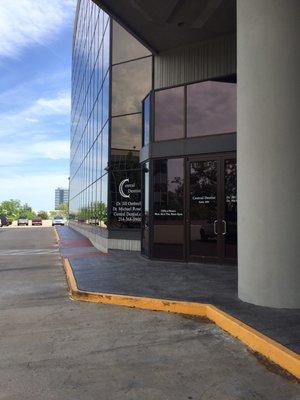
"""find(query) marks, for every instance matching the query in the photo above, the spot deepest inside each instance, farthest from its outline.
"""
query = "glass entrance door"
(212, 209)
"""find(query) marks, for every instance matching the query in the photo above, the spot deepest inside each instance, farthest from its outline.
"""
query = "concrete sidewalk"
(128, 273)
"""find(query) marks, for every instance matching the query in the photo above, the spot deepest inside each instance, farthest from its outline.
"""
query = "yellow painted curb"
(258, 342)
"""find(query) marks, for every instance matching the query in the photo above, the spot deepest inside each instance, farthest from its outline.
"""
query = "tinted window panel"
(105, 100)
(130, 84)
(145, 242)
(211, 108)
(125, 46)
(230, 178)
(106, 42)
(203, 208)
(127, 132)
(146, 121)
(168, 181)
(169, 114)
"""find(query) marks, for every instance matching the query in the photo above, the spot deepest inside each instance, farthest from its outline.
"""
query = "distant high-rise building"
(61, 196)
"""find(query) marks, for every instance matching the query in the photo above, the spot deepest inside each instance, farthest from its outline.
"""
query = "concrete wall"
(101, 240)
(93, 233)
(124, 244)
(268, 67)
(205, 60)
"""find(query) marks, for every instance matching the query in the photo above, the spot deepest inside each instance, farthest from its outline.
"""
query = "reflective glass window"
(125, 46)
(105, 149)
(106, 43)
(145, 241)
(146, 120)
(126, 132)
(104, 208)
(131, 82)
(211, 108)
(230, 188)
(168, 190)
(169, 114)
(105, 100)
(90, 110)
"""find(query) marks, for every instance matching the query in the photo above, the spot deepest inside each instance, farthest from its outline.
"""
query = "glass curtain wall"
(131, 80)
(90, 115)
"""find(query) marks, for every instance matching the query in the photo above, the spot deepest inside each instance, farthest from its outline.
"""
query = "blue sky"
(35, 75)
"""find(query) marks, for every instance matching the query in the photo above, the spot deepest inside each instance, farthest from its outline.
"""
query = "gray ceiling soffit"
(167, 24)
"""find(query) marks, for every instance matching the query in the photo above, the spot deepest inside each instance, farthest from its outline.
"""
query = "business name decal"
(126, 188)
(127, 209)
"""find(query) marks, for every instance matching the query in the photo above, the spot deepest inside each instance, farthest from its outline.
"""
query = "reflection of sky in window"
(146, 115)
(106, 43)
(125, 46)
(169, 116)
(126, 132)
(131, 82)
(211, 108)
(105, 91)
(90, 106)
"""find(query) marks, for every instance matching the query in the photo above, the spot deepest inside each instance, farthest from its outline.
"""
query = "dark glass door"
(212, 211)
(203, 209)
(230, 209)
(145, 223)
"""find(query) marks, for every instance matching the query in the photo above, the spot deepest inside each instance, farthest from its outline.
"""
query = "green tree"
(43, 214)
(11, 208)
(52, 214)
(63, 210)
(27, 211)
(100, 212)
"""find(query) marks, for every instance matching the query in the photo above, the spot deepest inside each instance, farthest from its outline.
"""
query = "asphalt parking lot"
(55, 348)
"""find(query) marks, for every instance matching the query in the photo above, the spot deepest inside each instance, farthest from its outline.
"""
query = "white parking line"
(27, 252)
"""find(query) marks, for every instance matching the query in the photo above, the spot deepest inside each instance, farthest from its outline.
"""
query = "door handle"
(225, 227)
(215, 223)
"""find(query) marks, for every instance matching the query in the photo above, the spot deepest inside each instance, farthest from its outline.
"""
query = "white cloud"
(60, 105)
(27, 22)
(17, 122)
(31, 119)
(54, 150)
(36, 190)
(16, 154)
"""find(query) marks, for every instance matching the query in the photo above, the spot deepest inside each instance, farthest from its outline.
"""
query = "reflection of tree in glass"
(99, 211)
(168, 190)
(230, 177)
(175, 194)
(203, 184)
(96, 213)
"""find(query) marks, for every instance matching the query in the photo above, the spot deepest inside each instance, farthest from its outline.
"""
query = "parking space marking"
(28, 252)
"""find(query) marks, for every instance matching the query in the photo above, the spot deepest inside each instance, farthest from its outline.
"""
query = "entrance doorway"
(212, 209)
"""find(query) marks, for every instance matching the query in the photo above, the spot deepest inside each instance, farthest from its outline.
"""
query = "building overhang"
(165, 25)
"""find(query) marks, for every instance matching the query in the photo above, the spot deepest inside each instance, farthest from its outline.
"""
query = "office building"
(185, 135)
(61, 197)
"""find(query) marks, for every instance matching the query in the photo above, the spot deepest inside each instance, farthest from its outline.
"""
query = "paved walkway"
(124, 272)
(53, 348)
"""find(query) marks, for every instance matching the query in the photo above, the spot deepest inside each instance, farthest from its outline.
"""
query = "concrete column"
(268, 150)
